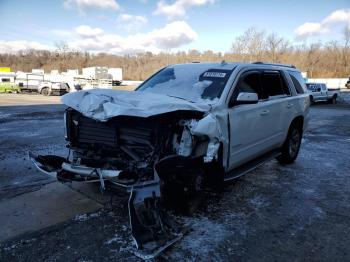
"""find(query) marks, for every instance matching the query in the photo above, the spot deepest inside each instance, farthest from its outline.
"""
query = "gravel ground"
(298, 212)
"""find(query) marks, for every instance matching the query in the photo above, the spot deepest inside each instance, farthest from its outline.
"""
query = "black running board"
(251, 165)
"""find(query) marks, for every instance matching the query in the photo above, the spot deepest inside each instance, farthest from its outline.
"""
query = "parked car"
(187, 127)
(320, 93)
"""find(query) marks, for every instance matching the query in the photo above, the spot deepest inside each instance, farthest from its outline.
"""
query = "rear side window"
(298, 81)
(273, 84)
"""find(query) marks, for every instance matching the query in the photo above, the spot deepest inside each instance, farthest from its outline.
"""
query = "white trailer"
(116, 74)
(96, 72)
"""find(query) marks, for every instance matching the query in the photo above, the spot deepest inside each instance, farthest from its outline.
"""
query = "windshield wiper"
(181, 98)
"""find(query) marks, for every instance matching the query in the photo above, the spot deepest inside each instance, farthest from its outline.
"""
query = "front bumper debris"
(152, 229)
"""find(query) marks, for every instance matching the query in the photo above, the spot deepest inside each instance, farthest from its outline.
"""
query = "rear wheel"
(291, 146)
(311, 99)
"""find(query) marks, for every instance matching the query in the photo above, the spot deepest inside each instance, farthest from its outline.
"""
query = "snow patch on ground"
(116, 238)
(85, 217)
(201, 241)
(258, 202)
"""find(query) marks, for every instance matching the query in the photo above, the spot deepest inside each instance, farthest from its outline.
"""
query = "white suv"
(187, 127)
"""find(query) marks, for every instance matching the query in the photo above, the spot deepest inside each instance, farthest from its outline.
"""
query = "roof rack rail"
(275, 64)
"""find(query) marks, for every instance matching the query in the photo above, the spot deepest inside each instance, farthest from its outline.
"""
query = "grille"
(94, 132)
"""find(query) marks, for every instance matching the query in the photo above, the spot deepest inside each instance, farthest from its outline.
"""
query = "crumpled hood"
(102, 104)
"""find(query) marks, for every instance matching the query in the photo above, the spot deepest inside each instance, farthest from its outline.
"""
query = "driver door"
(250, 124)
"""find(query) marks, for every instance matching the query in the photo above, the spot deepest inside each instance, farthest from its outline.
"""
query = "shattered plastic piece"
(151, 228)
(186, 144)
(150, 254)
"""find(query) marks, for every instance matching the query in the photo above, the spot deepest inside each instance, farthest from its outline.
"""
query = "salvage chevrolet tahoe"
(187, 127)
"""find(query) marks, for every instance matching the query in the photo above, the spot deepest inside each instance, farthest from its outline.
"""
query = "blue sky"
(120, 26)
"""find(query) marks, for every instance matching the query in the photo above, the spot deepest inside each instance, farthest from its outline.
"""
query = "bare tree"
(346, 49)
(276, 46)
(250, 45)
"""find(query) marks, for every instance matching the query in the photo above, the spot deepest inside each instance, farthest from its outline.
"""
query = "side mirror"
(247, 98)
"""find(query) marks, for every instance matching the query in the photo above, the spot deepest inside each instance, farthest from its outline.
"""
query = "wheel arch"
(298, 121)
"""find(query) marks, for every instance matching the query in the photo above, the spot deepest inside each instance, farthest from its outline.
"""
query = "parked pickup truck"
(186, 128)
(320, 93)
(53, 88)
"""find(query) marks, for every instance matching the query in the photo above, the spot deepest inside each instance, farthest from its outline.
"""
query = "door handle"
(289, 105)
(264, 112)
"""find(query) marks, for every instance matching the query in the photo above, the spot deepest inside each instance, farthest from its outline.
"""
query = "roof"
(233, 65)
(209, 65)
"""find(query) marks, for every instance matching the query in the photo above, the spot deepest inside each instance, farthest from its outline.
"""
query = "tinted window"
(298, 81)
(250, 83)
(273, 84)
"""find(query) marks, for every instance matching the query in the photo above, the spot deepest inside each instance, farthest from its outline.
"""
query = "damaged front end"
(158, 159)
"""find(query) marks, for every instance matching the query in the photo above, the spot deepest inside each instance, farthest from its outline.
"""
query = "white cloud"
(173, 35)
(312, 29)
(87, 31)
(130, 18)
(131, 22)
(178, 8)
(86, 38)
(83, 5)
(14, 46)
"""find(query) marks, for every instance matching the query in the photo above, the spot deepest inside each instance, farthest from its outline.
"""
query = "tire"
(291, 146)
(334, 100)
(311, 99)
(183, 196)
(46, 91)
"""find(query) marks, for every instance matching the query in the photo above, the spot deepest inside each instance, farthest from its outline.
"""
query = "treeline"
(330, 59)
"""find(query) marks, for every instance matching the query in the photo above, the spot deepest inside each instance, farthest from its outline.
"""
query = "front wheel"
(291, 146)
(333, 100)
(45, 91)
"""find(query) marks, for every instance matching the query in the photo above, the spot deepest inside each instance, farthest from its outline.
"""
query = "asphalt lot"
(299, 212)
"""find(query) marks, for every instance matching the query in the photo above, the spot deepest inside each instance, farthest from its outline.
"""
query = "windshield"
(189, 82)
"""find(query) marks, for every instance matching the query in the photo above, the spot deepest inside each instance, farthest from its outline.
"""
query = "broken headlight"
(65, 125)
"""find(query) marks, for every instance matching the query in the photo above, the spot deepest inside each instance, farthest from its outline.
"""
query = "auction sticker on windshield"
(214, 74)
